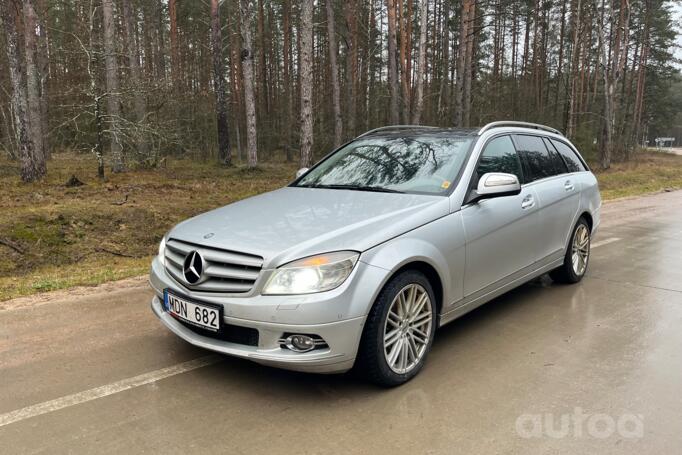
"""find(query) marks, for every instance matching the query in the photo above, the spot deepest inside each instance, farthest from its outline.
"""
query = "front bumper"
(342, 339)
(337, 316)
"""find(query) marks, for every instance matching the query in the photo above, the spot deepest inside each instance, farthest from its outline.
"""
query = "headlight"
(162, 251)
(312, 274)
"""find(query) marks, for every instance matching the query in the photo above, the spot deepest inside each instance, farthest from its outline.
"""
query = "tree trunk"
(32, 168)
(219, 88)
(33, 83)
(469, 63)
(421, 69)
(139, 99)
(463, 63)
(405, 22)
(306, 82)
(575, 73)
(175, 58)
(159, 53)
(262, 70)
(246, 8)
(351, 11)
(445, 62)
(334, 69)
(44, 72)
(113, 95)
(288, 86)
(611, 76)
(392, 63)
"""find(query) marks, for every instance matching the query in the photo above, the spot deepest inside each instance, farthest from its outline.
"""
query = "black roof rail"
(504, 123)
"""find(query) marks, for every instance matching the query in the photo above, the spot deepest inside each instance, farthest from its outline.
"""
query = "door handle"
(527, 202)
(568, 186)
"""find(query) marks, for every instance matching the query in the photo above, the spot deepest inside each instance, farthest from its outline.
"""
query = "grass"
(54, 237)
(649, 172)
(62, 237)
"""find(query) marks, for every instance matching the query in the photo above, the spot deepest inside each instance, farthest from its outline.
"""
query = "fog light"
(300, 343)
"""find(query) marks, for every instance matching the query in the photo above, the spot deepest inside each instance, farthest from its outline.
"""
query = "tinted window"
(570, 158)
(500, 156)
(559, 163)
(538, 162)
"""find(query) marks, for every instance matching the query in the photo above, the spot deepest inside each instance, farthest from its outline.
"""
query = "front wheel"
(577, 255)
(399, 330)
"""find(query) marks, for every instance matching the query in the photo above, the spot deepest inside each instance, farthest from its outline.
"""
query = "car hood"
(295, 222)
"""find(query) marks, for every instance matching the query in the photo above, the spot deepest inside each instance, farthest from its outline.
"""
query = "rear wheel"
(577, 255)
(399, 330)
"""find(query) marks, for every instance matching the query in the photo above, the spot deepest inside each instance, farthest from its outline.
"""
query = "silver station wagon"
(359, 260)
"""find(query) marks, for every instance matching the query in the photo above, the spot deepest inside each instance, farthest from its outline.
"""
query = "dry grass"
(650, 172)
(107, 230)
(82, 236)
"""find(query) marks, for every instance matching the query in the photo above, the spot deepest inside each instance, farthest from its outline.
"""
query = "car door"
(500, 232)
(557, 192)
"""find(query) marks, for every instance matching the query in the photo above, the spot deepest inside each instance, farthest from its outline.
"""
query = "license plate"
(199, 314)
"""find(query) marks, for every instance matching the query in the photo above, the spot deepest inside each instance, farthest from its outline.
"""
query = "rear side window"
(500, 155)
(538, 161)
(572, 161)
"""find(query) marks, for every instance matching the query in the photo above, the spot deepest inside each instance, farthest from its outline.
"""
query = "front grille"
(230, 333)
(224, 271)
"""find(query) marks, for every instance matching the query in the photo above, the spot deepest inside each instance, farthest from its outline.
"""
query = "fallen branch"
(12, 245)
(115, 253)
(125, 199)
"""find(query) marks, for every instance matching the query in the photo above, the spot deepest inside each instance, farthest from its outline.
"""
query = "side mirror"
(301, 171)
(495, 184)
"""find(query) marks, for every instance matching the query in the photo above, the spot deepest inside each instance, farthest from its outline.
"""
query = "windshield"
(416, 164)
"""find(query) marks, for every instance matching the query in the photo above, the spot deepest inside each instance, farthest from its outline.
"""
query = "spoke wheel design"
(580, 249)
(407, 330)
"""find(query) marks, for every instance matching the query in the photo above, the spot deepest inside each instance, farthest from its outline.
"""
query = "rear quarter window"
(573, 163)
(538, 161)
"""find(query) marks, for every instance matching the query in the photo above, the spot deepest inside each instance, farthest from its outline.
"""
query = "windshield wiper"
(376, 189)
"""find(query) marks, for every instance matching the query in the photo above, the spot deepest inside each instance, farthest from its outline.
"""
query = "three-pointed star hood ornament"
(193, 267)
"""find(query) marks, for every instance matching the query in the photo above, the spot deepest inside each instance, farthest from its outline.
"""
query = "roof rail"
(394, 127)
(504, 123)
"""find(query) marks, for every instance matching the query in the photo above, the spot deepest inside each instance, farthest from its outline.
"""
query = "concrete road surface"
(590, 368)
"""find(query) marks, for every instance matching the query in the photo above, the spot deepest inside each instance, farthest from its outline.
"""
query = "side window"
(559, 163)
(500, 155)
(572, 161)
(538, 162)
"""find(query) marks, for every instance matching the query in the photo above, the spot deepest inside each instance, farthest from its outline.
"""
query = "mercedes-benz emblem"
(193, 267)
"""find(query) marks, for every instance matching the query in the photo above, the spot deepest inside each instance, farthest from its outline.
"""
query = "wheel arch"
(417, 255)
(588, 218)
(431, 274)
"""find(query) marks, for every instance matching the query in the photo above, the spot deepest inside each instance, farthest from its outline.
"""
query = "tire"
(577, 255)
(403, 330)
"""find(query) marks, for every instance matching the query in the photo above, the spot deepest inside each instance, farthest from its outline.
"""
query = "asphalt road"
(590, 368)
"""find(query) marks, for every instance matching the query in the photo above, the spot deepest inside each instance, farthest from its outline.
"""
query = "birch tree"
(139, 99)
(33, 82)
(306, 82)
(246, 8)
(32, 165)
(111, 77)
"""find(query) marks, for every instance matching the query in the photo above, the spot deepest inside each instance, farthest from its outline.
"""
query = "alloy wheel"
(580, 249)
(407, 330)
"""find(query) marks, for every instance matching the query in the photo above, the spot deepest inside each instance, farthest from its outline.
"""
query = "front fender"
(439, 244)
